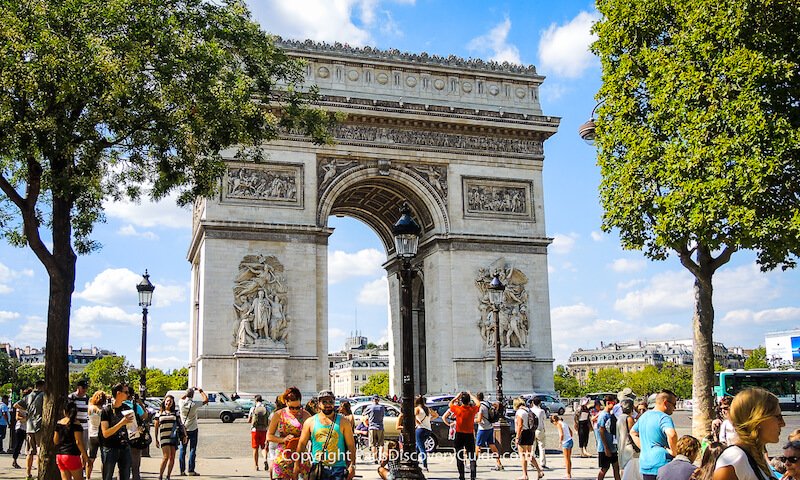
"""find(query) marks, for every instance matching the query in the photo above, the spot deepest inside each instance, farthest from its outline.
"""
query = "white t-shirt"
(735, 457)
(541, 416)
(727, 433)
(565, 429)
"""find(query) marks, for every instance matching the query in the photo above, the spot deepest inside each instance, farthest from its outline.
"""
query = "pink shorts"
(69, 463)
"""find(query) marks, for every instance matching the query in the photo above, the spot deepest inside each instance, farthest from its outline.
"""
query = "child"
(68, 439)
(565, 438)
(391, 460)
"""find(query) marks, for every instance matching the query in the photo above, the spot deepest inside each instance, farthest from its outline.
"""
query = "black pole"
(409, 466)
(498, 360)
(143, 371)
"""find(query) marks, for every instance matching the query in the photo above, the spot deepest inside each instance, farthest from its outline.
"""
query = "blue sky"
(597, 291)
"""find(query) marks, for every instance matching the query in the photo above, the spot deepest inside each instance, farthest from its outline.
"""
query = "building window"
(364, 377)
(355, 378)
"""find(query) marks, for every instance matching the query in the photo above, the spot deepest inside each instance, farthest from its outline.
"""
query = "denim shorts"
(568, 444)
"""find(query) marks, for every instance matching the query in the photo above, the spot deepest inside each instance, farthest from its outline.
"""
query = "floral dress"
(283, 467)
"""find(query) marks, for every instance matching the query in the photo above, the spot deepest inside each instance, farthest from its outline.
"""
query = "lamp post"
(587, 130)
(406, 237)
(497, 299)
(145, 289)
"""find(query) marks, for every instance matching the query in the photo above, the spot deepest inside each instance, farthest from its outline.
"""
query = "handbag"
(316, 468)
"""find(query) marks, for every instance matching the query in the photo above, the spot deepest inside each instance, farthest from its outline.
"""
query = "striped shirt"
(165, 422)
(83, 409)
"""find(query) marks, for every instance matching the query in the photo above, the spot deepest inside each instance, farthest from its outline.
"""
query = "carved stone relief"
(277, 183)
(492, 197)
(513, 313)
(260, 304)
(436, 140)
(329, 169)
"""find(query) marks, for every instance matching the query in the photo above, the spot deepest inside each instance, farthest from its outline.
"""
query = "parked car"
(549, 403)
(219, 405)
(439, 439)
(439, 398)
(390, 429)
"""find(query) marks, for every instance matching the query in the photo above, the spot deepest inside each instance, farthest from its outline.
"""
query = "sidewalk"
(442, 467)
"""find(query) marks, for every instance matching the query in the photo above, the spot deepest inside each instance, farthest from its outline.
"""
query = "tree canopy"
(377, 384)
(698, 141)
(102, 100)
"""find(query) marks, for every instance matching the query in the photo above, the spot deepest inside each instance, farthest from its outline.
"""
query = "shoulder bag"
(316, 467)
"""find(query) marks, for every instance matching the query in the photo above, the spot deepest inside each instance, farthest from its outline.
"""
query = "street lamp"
(406, 238)
(587, 130)
(145, 289)
(497, 299)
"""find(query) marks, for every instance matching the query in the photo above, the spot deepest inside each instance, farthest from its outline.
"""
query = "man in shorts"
(485, 436)
(605, 432)
(258, 417)
(373, 418)
(32, 405)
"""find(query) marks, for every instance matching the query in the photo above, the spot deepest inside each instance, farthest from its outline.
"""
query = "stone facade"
(635, 356)
(462, 143)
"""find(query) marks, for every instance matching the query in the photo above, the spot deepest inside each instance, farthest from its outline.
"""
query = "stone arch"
(374, 196)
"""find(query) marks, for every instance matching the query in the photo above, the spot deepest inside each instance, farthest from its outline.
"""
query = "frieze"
(496, 198)
(403, 138)
(272, 183)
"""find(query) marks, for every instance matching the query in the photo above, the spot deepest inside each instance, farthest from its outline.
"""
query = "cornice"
(359, 54)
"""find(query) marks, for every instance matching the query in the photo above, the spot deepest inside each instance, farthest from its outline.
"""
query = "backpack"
(260, 419)
(533, 420)
(494, 415)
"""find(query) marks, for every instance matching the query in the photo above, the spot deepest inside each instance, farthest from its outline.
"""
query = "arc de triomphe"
(462, 142)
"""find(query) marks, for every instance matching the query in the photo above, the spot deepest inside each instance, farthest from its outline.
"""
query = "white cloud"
(178, 331)
(33, 332)
(774, 317)
(147, 214)
(336, 337)
(571, 313)
(320, 20)
(7, 275)
(627, 265)
(117, 286)
(596, 236)
(630, 283)
(744, 286)
(166, 363)
(666, 293)
(4, 315)
(375, 292)
(563, 244)
(496, 42)
(130, 231)
(95, 320)
(364, 263)
(564, 49)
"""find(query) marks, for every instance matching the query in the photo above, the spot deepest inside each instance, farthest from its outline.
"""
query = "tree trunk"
(56, 370)
(703, 363)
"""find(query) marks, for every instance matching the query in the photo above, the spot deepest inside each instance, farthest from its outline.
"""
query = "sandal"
(541, 474)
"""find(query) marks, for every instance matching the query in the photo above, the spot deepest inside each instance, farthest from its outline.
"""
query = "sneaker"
(16, 465)
(182, 474)
(194, 474)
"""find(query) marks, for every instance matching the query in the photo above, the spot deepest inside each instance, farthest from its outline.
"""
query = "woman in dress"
(756, 415)
(68, 440)
(583, 425)
(565, 439)
(168, 434)
(422, 419)
(284, 429)
(93, 410)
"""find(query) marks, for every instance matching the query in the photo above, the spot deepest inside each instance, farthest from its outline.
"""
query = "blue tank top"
(335, 454)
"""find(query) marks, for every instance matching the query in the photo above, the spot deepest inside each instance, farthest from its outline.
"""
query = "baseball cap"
(82, 383)
(624, 393)
(325, 394)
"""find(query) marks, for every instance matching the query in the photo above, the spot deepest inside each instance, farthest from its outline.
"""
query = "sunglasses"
(327, 401)
(789, 459)
(295, 408)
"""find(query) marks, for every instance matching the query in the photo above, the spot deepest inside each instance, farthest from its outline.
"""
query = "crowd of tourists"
(319, 440)
(641, 444)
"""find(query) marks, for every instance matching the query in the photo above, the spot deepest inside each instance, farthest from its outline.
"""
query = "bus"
(784, 384)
